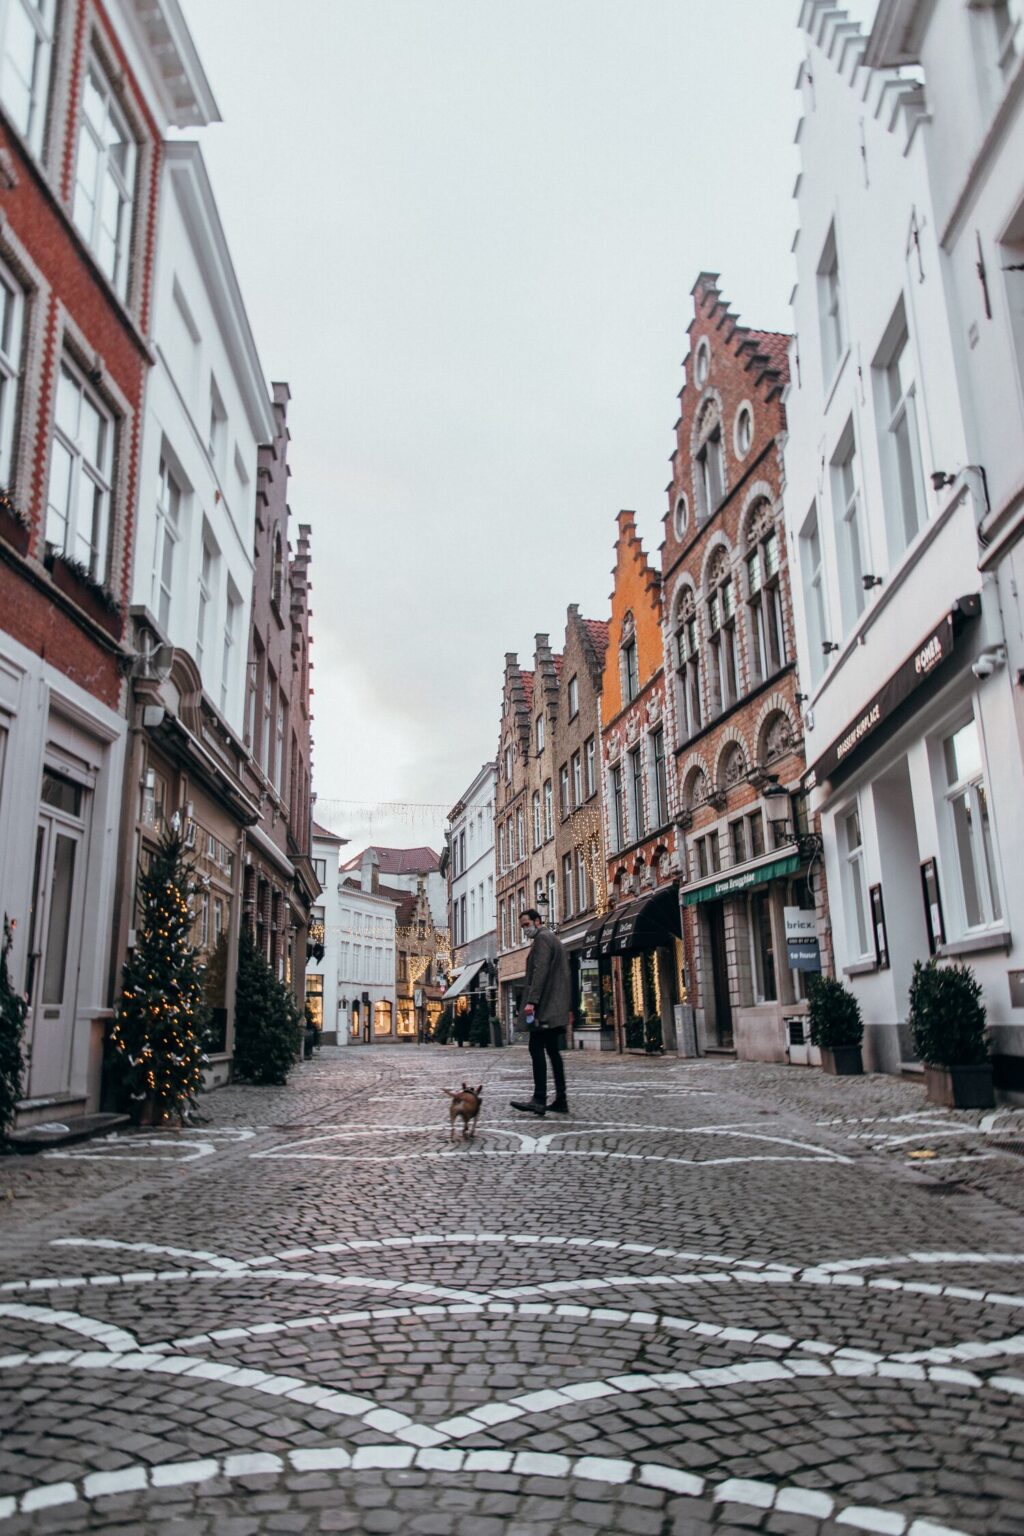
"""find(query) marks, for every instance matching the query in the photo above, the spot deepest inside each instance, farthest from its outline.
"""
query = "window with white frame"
(899, 437)
(12, 317)
(582, 896)
(105, 178)
(574, 697)
(743, 431)
(681, 516)
(709, 462)
(723, 643)
(204, 617)
(549, 809)
(503, 911)
(540, 734)
(830, 315)
(969, 826)
(501, 850)
(687, 666)
(702, 363)
(537, 838)
(520, 835)
(590, 765)
(765, 593)
(26, 46)
(851, 538)
(812, 575)
(230, 640)
(762, 947)
(279, 746)
(854, 883)
(618, 829)
(659, 778)
(635, 782)
(508, 765)
(563, 791)
(81, 465)
(553, 914)
(576, 766)
(168, 534)
(568, 894)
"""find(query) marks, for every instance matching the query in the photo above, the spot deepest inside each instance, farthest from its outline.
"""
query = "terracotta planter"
(66, 581)
(14, 532)
(842, 1061)
(960, 1087)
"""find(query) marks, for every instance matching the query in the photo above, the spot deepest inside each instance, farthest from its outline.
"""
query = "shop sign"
(732, 885)
(933, 650)
(803, 952)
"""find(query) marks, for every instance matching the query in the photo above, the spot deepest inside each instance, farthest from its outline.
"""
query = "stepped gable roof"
(765, 354)
(775, 346)
(398, 861)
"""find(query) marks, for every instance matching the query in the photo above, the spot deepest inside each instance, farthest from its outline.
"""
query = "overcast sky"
(466, 232)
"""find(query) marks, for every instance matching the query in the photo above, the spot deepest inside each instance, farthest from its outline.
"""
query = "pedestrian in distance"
(546, 1004)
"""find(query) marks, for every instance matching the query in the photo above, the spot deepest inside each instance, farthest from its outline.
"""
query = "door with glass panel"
(55, 932)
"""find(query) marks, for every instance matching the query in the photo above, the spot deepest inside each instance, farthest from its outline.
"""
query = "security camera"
(989, 661)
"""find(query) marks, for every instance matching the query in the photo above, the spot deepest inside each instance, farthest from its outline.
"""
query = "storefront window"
(763, 948)
(406, 1019)
(382, 1017)
(315, 998)
(588, 1014)
(968, 812)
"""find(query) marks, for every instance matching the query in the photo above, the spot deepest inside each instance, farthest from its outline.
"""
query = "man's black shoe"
(558, 1107)
(529, 1106)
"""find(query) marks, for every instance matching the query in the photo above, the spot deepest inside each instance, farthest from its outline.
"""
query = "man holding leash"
(547, 1000)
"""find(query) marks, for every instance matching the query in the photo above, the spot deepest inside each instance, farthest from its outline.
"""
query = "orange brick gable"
(636, 589)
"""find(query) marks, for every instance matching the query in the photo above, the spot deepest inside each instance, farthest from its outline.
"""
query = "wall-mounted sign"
(878, 928)
(803, 952)
(732, 885)
(925, 659)
(932, 905)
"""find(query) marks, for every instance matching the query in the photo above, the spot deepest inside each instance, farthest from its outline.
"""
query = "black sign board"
(933, 651)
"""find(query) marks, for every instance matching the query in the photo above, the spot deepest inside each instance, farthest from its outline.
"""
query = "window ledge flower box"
(75, 582)
(14, 530)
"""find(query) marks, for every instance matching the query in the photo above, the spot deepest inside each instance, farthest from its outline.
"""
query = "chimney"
(369, 872)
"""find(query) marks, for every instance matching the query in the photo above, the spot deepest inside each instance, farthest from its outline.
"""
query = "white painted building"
(911, 733)
(471, 907)
(402, 869)
(207, 411)
(358, 967)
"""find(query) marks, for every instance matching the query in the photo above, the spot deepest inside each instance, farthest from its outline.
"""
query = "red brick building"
(640, 939)
(732, 709)
(512, 856)
(83, 114)
(279, 886)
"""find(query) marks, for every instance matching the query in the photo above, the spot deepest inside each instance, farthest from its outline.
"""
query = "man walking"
(548, 997)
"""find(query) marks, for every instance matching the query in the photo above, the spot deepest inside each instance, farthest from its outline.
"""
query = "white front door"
(56, 931)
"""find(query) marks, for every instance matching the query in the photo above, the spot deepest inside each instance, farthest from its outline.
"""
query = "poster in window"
(932, 905)
(878, 928)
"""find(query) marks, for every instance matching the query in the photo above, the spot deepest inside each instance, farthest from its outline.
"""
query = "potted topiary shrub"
(947, 1026)
(836, 1026)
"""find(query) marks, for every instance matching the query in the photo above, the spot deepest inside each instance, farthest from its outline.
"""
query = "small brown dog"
(467, 1105)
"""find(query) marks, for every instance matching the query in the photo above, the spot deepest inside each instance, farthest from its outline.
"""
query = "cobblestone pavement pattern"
(716, 1298)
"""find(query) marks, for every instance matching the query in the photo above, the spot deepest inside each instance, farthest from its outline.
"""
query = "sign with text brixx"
(803, 952)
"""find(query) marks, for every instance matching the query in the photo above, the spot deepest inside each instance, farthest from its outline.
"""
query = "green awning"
(732, 885)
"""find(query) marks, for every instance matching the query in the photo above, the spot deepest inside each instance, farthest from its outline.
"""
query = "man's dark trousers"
(544, 1045)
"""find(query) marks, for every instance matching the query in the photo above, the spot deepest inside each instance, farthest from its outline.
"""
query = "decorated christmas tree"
(12, 1025)
(157, 1035)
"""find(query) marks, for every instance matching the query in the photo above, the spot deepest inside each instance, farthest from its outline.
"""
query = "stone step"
(47, 1134)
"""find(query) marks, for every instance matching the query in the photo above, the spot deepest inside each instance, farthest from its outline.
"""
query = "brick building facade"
(578, 821)
(83, 116)
(640, 940)
(279, 885)
(513, 873)
(732, 709)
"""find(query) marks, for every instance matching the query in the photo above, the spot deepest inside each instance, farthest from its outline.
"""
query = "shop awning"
(647, 922)
(731, 884)
(464, 980)
(589, 945)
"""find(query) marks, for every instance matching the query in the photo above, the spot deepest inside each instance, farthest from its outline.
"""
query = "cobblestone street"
(717, 1297)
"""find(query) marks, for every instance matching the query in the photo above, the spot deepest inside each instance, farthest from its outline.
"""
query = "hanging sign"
(803, 952)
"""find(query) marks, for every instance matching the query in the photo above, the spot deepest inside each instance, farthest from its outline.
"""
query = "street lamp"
(542, 906)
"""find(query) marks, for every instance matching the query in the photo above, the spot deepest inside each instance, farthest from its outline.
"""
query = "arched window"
(709, 463)
(723, 646)
(277, 574)
(767, 626)
(687, 666)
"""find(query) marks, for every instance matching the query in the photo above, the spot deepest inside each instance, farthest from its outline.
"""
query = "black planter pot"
(960, 1087)
(842, 1060)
